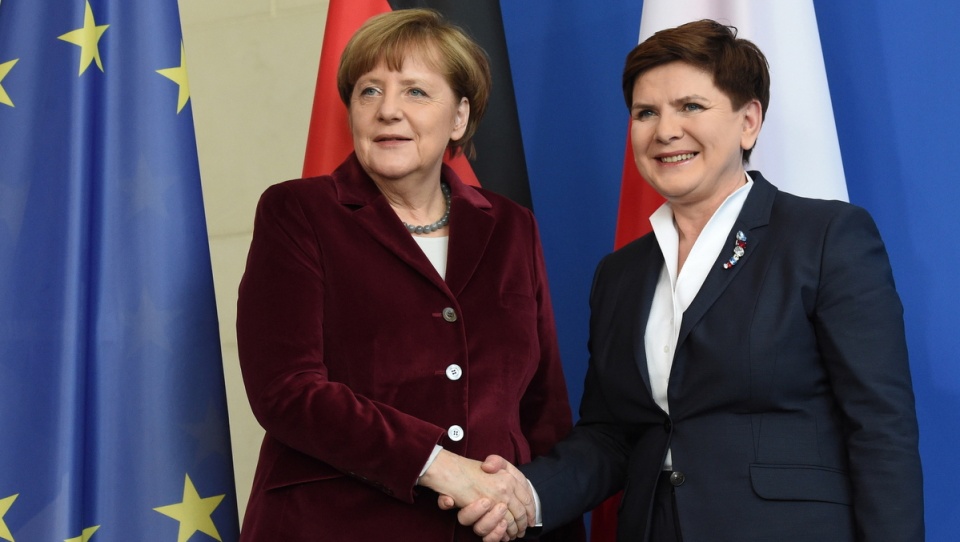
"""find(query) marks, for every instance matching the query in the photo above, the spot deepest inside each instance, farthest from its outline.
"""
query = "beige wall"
(253, 67)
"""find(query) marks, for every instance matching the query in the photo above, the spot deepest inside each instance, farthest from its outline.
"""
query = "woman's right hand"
(465, 482)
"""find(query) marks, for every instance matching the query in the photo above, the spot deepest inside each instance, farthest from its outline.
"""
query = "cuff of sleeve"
(430, 460)
(536, 501)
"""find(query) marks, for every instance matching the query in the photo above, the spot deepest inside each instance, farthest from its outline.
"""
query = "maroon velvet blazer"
(358, 358)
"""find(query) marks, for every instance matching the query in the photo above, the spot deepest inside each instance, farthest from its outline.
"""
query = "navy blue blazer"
(791, 405)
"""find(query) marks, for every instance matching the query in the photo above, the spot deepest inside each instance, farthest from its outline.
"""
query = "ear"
(752, 121)
(460, 119)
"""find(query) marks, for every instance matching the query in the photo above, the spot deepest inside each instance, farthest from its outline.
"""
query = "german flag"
(500, 164)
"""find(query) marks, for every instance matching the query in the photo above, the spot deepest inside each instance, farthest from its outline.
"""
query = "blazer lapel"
(372, 213)
(754, 215)
(651, 258)
(471, 227)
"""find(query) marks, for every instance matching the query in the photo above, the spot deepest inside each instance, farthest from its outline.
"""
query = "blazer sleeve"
(279, 332)
(860, 331)
(590, 464)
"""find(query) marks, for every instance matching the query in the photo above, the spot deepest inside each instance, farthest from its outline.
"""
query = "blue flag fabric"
(113, 418)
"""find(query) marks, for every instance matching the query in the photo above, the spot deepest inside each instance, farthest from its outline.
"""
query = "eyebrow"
(689, 98)
(414, 81)
(408, 82)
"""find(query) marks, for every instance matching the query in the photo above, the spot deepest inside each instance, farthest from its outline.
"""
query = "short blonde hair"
(391, 37)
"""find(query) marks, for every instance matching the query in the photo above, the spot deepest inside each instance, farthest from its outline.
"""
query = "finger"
(530, 509)
(446, 502)
(475, 511)
(522, 506)
(493, 464)
(493, 536)
(512, 529)
(519, 477)
(518, 515)
(489, 523)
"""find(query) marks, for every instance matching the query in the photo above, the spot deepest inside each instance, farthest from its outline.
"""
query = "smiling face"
(687, 139)
(403, 120)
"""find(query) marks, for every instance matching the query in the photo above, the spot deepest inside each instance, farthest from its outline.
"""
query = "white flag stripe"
(798, 148)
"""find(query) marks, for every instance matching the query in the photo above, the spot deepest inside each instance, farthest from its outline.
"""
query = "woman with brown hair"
(394, 324)
(748, 377)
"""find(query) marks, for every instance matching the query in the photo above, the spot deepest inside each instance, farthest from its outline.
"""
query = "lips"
(390, 137)
(676, 158)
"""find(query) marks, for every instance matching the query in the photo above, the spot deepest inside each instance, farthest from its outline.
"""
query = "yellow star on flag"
(87, 38)
(179, 76)
(4, 70)
(5, 505)
(193, 513)
(85, 537)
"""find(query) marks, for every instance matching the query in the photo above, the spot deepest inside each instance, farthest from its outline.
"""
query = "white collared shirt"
(675, 291)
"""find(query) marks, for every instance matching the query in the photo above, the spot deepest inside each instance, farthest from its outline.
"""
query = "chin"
(391, 171)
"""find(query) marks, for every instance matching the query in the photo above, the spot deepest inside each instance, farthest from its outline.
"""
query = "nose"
(389, 109)
(669, 128)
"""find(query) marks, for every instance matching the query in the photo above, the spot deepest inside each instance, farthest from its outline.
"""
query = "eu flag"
(113, 420)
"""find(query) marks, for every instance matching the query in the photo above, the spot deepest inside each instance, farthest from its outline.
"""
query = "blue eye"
(643, 114)
(419, 93)
(692, 107)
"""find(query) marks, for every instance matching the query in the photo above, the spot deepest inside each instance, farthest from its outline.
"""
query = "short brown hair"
(738, 67)
(391, 36)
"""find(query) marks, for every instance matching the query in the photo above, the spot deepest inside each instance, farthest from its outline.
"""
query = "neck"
(691, 218)
(429, 219)
(409, 193)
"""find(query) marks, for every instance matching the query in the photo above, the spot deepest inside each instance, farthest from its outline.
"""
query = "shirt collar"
(708, 244)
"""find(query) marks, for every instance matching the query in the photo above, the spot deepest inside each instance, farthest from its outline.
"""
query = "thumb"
(493, 464)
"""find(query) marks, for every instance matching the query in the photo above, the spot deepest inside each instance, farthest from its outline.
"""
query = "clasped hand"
(494, 497)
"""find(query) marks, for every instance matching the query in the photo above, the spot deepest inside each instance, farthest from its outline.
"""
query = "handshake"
(494, 497)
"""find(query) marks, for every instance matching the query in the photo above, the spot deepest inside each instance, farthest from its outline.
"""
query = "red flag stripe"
(329, 140)
(637, 202)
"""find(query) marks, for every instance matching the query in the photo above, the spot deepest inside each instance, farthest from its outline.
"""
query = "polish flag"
(798, 150)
